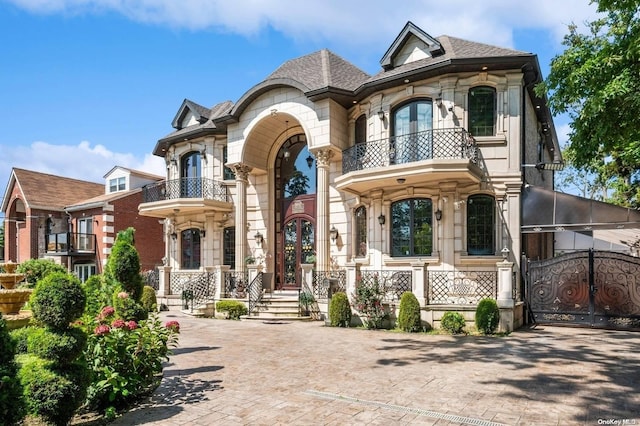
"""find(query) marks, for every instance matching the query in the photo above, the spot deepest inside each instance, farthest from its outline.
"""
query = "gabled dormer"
(124, 179)
(412, 44)
(189, 114)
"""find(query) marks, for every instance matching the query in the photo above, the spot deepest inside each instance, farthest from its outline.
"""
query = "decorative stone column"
(505, 284)
(307, 276)
(323, 158)
(164, 281)
(242, 173)
(220, 272)
(419, 281)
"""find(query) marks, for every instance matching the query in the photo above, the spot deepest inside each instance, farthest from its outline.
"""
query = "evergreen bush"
(409, 316)
(57, 300)
(20, 336)
(339, 310)
(234, 308)
(453, 322)
(57, 346)
(487, 316)
(11, 400)
(99, 292)
(149, 300)
(124, 267)
(36, 269)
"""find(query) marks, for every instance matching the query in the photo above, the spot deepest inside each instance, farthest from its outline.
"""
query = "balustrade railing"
(195, 288)
(461, 287)
(208, 189)
(70, 242)
(389, 282)
(324, 281)
(235, 284)
(254, 291)
(453, 143)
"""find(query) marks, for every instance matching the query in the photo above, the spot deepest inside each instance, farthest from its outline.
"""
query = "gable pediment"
(412, 44)
(190, 113)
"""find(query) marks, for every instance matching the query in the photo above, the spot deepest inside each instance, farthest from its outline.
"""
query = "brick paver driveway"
(260, 373)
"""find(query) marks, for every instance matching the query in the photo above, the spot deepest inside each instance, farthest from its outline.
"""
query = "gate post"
(505, 296)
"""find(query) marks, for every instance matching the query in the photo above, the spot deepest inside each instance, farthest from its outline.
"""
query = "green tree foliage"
(409, 316)
(487, 316)
(11, 401)
(596, 80)
(339, 310)
(36, 269)
(124, 265)
(298, 184)
(57, 300)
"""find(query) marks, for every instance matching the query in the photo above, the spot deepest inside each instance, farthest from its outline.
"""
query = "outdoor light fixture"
(259, 238)
(309, 161)
(174, 160)
(381, 219)
(174, 236)
(333, 234)
(439, 102)
(438, 214)
(202, 233)
(550, 166)
(401, 180)
(381, 114)
(505, 253)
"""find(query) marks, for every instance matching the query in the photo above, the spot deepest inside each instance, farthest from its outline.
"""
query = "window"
(412, 230)
(482, 111)
(84, 270)
(191, 175)
(117, 184)
(190, 240)
(85, 235)
(361, 231)
(480, 225)
(228, 174)
(413, 139)
(361, 129)
(229, 242)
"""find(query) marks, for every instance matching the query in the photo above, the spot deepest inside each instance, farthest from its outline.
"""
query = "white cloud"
(356, 22)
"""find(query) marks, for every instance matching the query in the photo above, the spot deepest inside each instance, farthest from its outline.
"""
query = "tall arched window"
(480, 225)
(229, 244)
(361, 129)
(412, 136)
(190, 248)
(482, 111)
(412, 230)
(361, 231)
(190, 175)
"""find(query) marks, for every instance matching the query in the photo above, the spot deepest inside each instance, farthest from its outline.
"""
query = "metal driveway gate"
(593, 288)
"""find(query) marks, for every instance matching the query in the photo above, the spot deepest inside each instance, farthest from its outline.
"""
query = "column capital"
(323, 157)
(241, 171)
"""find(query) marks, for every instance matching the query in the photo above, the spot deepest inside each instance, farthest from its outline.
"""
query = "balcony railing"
(186, 188)
(454, 143)
(70, 242)
(462, 287)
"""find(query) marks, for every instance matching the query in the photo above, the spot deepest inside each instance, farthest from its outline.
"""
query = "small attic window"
(117, 184)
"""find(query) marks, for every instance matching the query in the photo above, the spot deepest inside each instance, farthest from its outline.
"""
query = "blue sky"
(86, 85)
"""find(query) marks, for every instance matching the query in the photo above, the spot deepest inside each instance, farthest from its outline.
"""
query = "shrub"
(339, 310)
(409, 316)
(149, 301)
(99, 291)
(234, 308)
(453, 322)
(11, 400)
(367, 300)
(487, 316)
(20, 336)
(56, 346)
(124, 267)
(36, 269)
(127, 308)
(57, 300)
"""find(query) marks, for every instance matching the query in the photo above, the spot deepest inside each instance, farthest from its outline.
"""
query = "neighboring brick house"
(75, 222)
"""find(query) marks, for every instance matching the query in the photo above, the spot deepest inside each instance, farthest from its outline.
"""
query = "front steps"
(278, 306)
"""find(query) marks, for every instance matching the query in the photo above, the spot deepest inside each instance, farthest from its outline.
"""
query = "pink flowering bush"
(126, 357)
(367, 301)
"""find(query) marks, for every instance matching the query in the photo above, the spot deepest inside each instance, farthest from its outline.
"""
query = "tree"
(596, 81)
(298, 184)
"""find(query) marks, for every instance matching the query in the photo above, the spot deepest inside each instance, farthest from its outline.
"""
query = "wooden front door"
(297, 240)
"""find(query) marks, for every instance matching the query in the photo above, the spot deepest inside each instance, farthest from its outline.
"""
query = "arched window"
(412, 230)
(412, 136)
(361, 129)
(229, 243)
(361, 231)
(482, 111)
(190, 248)
(480, 225)
(191, 174)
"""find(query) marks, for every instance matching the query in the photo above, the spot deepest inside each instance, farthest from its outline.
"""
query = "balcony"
(433, 155)
(186, 194)
(70, 243)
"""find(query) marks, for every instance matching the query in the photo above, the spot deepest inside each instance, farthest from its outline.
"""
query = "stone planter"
(12, 300)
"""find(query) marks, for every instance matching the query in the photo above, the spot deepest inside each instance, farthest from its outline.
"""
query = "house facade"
(325, 177)
(75, 222)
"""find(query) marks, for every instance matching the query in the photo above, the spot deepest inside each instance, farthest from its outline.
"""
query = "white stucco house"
(411, 178)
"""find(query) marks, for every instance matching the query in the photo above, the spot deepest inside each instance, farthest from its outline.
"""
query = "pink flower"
(118, 323)
(102, 330)
(123, 295)
(107, 311)
(173, 326)
(132, 325)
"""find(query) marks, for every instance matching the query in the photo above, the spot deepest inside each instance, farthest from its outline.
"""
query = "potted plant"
(249, 260)
(306, 300)
(310, 259)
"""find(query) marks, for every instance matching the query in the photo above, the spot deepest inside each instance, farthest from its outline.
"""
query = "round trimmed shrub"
(20, 336)
(57, 300)
(36, 269)
(124, 267)
(339, 310)
(56, 346)
(487, 316)
(11, 400)
(234, 308)
(409, 316)
(453, 322)
(149, 300)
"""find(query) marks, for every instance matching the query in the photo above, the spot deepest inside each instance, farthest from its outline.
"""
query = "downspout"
(69, 236)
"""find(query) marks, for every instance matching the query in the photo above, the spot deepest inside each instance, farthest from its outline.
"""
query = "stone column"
(323, 158)
(242, 173)
(505, 284)
(307, 276)
(419, 281)
(164, 281)
(220, 272)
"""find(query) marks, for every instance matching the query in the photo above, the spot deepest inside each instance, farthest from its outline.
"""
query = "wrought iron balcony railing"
(70, 242)
(454, 143)
(186, 188)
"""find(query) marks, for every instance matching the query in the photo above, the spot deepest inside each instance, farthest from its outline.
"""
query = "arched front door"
(298, 240)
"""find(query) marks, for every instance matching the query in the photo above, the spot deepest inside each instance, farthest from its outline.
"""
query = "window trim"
(429, 220)
(360, 233)
(488, 249)
(470, 113)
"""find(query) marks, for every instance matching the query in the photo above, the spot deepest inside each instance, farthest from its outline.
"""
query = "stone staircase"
(278, 306)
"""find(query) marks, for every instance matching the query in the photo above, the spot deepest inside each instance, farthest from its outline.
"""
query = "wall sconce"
(381, 219)
(309, 161)
(381, 114)
(203, 233)
(174, 160)
(203, 153)
(259, 238)
(505, 253)
(438, 215)
(333, 234)
(174, 236)
(439, 102)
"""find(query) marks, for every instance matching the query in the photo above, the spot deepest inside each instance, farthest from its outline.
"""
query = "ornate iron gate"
(593, 288)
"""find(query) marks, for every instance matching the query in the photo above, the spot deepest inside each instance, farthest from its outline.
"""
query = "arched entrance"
(295, 190)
